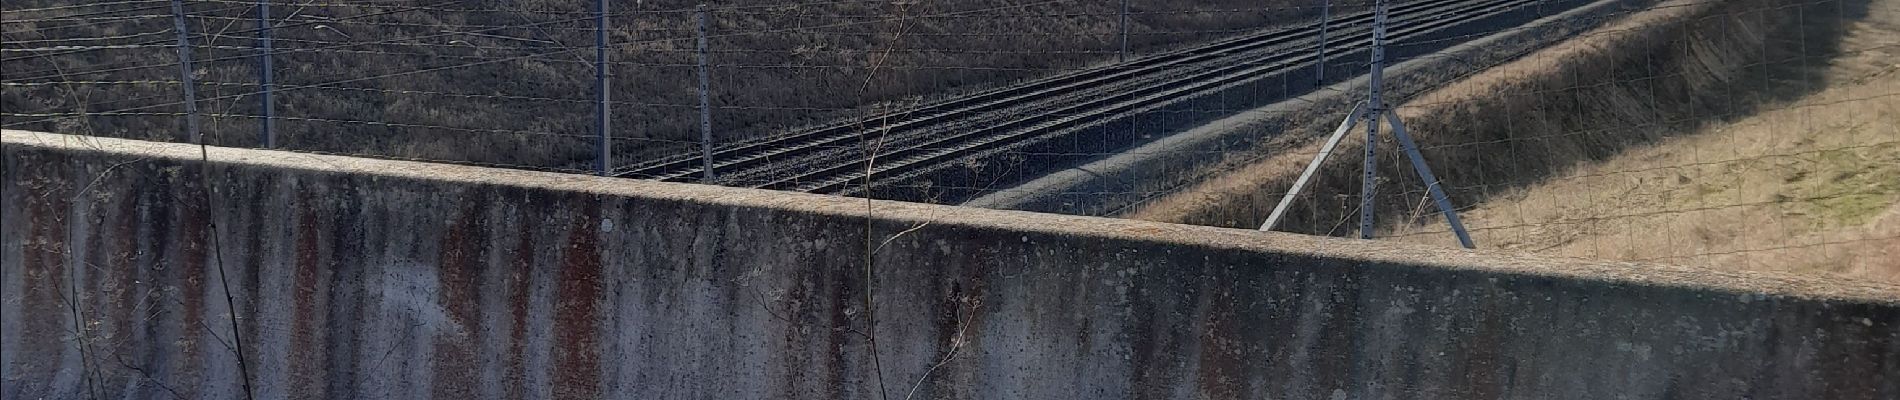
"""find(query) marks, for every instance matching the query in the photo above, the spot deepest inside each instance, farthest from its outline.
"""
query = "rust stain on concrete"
(463, 252)
(519, 286)
(44, 270)
(123, 289)
(576, 311)
(1184, 311)
(307, 374)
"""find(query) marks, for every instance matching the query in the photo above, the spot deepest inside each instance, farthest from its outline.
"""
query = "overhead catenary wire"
(92, 19)
(485, 62)
(392, 40)
(747, 57)
(157, 4)
(252, 31)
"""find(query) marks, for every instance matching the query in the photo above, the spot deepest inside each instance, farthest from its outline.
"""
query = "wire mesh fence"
(1746, 134)
(1739, 134)
(1744, 131)
(514, 83)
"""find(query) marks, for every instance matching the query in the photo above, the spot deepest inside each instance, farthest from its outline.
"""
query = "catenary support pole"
(1375, 106)
(603, 118)
(184, 72)
(705, 100)
(1352, 117)
(1431, 181)
(1374, 111)
(1325, 24)
(266, 80)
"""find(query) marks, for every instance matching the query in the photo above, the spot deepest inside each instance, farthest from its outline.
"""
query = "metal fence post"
(603, 109)
(1375, 106)
(1122, 56)
(184, 71)
(1325, 23)
(705, 99)
(265, 79)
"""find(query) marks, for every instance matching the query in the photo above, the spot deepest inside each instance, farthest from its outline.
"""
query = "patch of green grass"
(1851, 186)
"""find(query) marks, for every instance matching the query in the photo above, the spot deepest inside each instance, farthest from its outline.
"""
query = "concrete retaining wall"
(352, 278)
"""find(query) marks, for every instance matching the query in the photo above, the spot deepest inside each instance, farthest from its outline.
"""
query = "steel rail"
(832, 178)
(747, 154)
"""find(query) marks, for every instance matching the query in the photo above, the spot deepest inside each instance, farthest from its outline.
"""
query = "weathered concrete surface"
(355, 278)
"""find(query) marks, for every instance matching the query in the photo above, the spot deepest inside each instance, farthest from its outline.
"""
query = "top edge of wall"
(1502, 263)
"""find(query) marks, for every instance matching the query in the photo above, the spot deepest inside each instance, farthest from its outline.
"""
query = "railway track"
(911, 144)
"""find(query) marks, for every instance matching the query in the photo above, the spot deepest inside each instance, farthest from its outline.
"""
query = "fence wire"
(1745, 131)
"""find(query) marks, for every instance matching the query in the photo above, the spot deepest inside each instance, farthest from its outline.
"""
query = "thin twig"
(870, 161)
(956, 343)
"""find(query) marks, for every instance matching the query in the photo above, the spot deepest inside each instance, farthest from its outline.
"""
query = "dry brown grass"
(1236, 199)
(1812, 186)
(1750, 133)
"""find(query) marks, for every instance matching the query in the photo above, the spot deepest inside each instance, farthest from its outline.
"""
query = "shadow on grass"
(1735, 60)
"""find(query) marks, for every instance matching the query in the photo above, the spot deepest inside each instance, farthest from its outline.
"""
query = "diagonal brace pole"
(1352, 118)
(1431, 181)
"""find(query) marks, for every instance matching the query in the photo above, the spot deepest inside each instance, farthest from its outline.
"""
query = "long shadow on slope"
(1739, 58)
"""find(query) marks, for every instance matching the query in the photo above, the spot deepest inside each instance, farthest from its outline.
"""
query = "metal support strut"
(1375, 106)
(603, 121)
(1373, 112)
(189, 83)
(1324, 151)
(266, 80)
(1431, 181)
(1325, 23)
(705, 100)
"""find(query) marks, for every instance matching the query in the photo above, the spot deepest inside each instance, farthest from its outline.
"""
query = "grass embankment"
(1753, 134)
(1811, 184)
